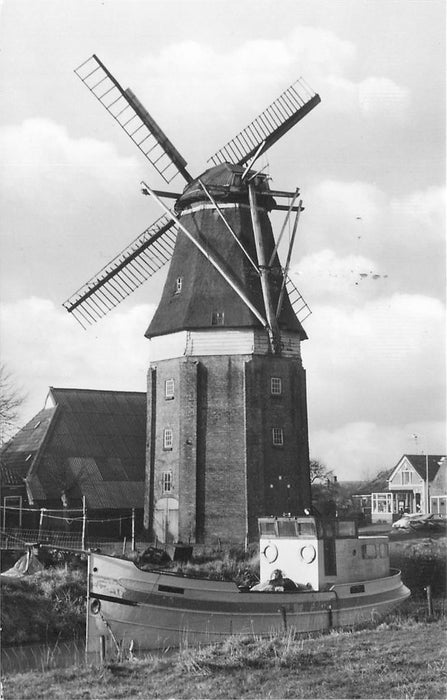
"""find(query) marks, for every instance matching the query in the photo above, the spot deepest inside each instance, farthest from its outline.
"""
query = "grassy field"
(404, 657)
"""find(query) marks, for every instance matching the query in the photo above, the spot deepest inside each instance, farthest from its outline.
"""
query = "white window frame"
(166, 482)
(409, 477)
(275, 386)
(277, 437)
(169, 388)
(168, 438)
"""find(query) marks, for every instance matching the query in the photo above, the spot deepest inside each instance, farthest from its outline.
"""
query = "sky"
(369, 257)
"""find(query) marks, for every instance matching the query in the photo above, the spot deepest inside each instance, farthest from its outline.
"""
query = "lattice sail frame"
(139, 261)
(288, 109)
(133, 118)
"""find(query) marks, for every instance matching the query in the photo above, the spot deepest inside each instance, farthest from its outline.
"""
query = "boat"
(340, 579)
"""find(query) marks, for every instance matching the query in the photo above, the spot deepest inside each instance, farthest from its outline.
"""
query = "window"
(275, 386)
(277, 437)
(178, 285)
(12, 511)
(407, 477)
(217, 318)
(168, 438)
(166, 482)
(369, 551)
(169, 389)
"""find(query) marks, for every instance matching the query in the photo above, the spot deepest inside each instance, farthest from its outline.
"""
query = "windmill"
(227, 418)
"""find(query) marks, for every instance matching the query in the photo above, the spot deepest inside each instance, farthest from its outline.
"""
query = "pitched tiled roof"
(419, 463)
(19, 454)
(8, 477)
(95, 448)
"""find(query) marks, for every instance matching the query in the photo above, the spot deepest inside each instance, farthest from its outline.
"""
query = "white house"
(417, 484)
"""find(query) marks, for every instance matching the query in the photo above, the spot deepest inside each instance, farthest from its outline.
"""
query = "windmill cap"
(224, 182)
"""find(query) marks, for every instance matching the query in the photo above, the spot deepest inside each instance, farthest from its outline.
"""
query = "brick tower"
(227, 437)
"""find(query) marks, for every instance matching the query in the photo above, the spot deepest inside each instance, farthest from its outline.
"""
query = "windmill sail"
(288, 109)
(150, 251)
(133, 118)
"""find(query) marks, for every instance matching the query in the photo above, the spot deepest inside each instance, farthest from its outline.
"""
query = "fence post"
(42, 511)
(133, 529)
(84, 517)
(429, 601)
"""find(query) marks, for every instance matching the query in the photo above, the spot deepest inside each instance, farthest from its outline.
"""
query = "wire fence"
(20, 538)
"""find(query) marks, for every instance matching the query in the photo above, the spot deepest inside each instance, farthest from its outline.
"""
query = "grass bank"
(45, 607)
(401, 658)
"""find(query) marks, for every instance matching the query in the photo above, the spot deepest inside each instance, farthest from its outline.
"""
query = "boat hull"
(127, 607)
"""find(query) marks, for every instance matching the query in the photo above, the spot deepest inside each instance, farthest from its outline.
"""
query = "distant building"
(418, 483)
(84, 447)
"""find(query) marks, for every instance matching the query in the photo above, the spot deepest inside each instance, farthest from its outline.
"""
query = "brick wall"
(226, 471)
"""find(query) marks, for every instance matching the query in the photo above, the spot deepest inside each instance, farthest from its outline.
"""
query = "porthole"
(271, 553)
(308, 553)
(95, 606)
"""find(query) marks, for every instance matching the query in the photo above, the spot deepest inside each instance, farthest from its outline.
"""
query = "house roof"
(90, 443)
(18, 455)
(8, 477)
(419, 464)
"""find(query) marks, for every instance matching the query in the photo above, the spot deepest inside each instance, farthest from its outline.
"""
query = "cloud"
(374, 98)
(400, 238)
(351, 280)
(42, 345)
(39, 158)
(381, 362)
(209, 86)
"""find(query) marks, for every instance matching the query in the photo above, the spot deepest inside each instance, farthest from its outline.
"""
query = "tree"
(319, 472)
(11, 399)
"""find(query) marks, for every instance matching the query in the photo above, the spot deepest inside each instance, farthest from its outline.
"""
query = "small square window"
(169, 389)
(178, 285)
(217, 318)
(166, 482)
(168, 438)
(277, 437)
(275, 386)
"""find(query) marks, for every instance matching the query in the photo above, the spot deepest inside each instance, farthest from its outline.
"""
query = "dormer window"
(178, 285)
(217, 318)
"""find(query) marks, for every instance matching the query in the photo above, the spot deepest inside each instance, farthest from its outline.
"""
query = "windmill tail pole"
(289, 255)
(209, 257)
(264, 271)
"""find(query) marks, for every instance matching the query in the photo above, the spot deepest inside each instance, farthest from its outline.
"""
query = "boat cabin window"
(268, 528)
(369, 551)
(287, 528)
(306, 529)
